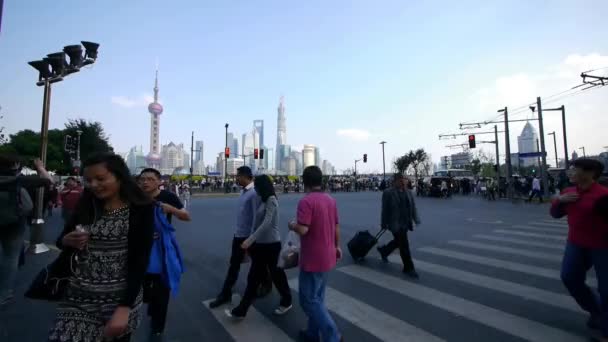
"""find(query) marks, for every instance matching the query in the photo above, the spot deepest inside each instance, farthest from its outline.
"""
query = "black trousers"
(400, 241)
(157, 295)
(264, 258)
(236, 259)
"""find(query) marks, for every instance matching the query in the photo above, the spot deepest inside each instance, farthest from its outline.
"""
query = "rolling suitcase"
(362, 243)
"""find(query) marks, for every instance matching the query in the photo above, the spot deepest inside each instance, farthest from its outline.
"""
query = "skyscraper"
(527, 143)
(308, 156)
(258, 126)
(198, 155)
(155, 109)
(281, 132)
(318, 160)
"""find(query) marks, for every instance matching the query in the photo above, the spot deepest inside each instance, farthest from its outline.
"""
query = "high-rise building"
(297, 155)
(270, 160)
(460, 160)
(318, 160)
(233, 164)
(155, 109)
(283, 151)
(234, 148)
(289, 166)
(527, 142)
(198, 155)
(135, 159)
(250, 142)
(258, 126)
(173, 156)
(219, 163)
(308, 156)
(327, 168)
(281, 132)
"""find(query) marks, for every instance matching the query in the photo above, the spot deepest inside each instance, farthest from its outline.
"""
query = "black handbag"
(51, 282)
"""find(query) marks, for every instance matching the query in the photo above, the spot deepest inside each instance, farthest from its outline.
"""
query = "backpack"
(15, 201)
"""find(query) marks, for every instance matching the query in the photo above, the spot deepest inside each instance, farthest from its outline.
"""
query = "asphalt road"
(489, 272)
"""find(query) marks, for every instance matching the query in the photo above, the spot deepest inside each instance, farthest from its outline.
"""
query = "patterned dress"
(98, 283)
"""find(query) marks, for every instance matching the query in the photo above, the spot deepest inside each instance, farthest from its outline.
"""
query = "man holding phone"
(587, 244)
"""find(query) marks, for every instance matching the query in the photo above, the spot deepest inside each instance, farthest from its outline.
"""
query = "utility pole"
(78, 162)
(383, 162)
(584, 154)
(497, 157)
(226, 158)
(508, 152)
(543, 151)
(563, 110)
(555, 148)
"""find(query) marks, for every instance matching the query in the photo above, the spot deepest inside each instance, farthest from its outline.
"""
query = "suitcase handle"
(379, 234)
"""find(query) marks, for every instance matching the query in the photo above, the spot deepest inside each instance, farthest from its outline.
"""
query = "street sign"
(532, 155)
(214, 174)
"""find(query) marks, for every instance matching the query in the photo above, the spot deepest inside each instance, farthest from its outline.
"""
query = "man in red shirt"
(587, 244)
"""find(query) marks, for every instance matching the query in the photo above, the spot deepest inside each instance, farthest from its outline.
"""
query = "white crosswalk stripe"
(508, 250)
(508, 287)
(541, 229)
(557, 246)
(499, 320)
(549, 224)
(256, 327)
(534, 235)
(383, 326)
(563, 223)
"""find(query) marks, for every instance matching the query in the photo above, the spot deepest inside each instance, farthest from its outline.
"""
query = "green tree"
(3, 138)
(26, 144)
(402, 163)
(413, 161)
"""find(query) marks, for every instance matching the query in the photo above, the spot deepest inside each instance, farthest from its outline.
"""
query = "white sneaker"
(282, 310)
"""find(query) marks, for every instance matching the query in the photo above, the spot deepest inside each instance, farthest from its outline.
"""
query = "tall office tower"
(281, 131)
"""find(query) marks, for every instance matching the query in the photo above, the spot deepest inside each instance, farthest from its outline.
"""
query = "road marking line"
(376, 322)
(508, 250)
(505, 322)
(541, 229)
(550, 224)
(534, 235)
(563, 222)
(520, 241)
(495, 284)
(255, 327)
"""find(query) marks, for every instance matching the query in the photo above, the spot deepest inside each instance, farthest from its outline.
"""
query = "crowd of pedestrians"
(118, 258)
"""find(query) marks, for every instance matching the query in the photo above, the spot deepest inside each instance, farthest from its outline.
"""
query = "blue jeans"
(577, 261)
(312, 301)
(11, 242)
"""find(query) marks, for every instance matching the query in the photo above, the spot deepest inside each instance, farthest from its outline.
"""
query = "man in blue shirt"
(249, 201)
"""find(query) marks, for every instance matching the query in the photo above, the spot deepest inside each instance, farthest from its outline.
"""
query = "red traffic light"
(227, 152)
(255, 153)
(472, 142)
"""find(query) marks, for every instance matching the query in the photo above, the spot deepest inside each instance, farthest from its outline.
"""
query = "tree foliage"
(415, 161)
(3, 139)
(26, 144)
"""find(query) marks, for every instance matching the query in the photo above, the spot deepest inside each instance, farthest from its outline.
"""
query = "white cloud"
(131, 102)
(354, 134)
(522, 88)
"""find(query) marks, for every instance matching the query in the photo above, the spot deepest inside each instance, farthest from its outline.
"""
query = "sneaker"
(382, 255)
(235, 313)
(219, 301)
(282, 310)
(412, 274)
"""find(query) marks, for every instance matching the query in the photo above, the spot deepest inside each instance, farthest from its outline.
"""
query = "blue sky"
(400, 71)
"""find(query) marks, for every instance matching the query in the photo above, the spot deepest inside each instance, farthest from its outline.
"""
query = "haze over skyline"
(353, 73)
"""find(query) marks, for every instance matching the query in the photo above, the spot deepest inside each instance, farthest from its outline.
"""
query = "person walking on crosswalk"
(318, 226)
(249, 203)
(587, 244)
(264, 247)
(398, 215)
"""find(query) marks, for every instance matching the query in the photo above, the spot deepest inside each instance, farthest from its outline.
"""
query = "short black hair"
(264, 187)
(151, 170)
(312, 176)
(244, 171)
(589, 165)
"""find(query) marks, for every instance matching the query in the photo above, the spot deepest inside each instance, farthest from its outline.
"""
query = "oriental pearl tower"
(155, 109)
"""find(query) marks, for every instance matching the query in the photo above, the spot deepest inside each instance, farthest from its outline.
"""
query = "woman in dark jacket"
(109, 239)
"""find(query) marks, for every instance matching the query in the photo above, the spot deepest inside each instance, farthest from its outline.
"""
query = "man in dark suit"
(398, 215)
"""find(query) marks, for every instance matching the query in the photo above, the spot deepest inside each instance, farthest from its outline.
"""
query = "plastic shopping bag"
(290, 252)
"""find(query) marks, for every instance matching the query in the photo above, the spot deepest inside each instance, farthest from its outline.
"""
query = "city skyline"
(354, 74)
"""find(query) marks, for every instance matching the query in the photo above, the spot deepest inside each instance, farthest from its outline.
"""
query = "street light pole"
(508, 152)
(584, 154)
(383, 162)
(543, 150)
(226, 158)
(497, 156)
(78, 163)
(555, 148)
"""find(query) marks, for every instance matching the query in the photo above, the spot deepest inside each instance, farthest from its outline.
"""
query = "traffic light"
(472, 143)
(255, 153)
(227, 152)
(261, 153)
(67, 143)
(365, 158)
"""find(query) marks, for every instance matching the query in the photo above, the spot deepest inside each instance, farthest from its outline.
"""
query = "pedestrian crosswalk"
(476, 263)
